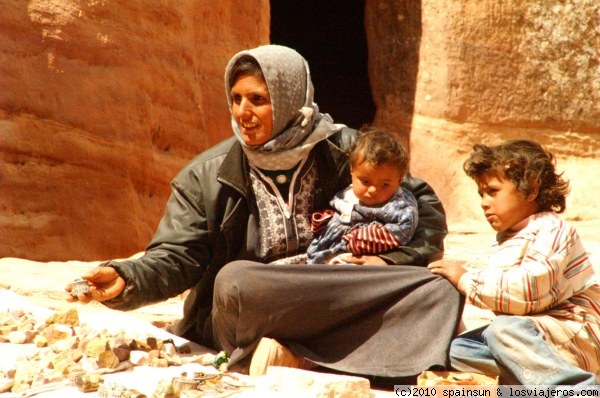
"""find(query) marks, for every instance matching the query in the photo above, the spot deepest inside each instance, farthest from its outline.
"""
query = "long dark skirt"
(393, 321)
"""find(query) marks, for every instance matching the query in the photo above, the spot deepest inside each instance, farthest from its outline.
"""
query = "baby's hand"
(340, 259)
(363, 260)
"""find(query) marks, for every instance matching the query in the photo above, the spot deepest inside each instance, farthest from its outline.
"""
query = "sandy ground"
(42, 282)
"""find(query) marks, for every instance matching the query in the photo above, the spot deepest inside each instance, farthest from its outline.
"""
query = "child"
(539, 282)
(374, 214)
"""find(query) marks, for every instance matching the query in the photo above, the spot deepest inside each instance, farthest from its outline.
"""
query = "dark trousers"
(393, 321)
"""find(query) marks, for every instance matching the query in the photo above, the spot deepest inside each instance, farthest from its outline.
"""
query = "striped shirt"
(543, 272)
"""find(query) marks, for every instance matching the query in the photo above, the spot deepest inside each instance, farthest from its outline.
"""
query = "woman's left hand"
(364, 260)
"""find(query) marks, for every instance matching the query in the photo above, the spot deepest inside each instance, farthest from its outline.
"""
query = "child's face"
(503, 205)
(374, 186)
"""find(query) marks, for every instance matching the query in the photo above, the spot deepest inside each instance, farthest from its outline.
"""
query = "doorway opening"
(331, 36)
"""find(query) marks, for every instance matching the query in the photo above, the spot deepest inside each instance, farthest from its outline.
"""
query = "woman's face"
(252, 109)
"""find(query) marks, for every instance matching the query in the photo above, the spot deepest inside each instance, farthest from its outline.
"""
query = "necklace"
(281, 179)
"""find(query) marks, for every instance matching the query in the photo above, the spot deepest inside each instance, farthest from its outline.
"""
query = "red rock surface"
(450, 74)
(101, 103)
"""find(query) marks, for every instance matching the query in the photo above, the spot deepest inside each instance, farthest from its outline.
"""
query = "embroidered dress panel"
(285, 229)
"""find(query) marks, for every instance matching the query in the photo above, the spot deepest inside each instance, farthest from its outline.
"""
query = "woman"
(250, 199)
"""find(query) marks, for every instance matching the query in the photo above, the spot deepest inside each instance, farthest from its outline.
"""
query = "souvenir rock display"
(56, 351)
(70, 353)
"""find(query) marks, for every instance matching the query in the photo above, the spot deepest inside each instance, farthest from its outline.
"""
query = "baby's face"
(375, 185)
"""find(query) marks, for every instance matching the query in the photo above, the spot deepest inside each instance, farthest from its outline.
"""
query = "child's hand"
(449, 269)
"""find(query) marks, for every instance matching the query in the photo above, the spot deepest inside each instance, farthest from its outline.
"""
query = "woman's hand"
(449, 269)
(364, 260)
(105, 284)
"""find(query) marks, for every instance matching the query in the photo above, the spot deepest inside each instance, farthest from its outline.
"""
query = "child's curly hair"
(377, 147)
(527, 164)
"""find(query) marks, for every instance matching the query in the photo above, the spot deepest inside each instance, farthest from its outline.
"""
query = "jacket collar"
(234, 171)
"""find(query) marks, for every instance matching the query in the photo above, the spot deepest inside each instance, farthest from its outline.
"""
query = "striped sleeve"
(370, 239)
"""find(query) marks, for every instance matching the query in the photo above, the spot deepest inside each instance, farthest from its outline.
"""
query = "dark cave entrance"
(331, 36)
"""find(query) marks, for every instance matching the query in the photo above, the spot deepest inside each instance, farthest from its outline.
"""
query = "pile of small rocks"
(68, 352)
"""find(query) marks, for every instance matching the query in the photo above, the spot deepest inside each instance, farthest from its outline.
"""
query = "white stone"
(138, 357)
(304, 383)
(17, 337)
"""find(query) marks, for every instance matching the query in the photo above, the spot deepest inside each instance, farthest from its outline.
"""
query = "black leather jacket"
(209, 213)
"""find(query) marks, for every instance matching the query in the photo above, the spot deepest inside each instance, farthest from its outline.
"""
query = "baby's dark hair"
(378, 147)
(527, 164)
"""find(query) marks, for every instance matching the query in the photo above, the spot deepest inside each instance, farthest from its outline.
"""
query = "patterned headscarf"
(297, 124)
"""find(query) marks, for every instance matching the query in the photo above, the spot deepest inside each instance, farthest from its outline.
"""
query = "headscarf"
(297, 123)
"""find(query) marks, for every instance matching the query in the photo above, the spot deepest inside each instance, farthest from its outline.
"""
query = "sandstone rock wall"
(489, 71)
(101, 103)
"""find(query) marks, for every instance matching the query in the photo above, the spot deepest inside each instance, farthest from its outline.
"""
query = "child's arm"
(532, 272)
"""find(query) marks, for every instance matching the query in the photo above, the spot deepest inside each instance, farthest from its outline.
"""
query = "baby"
(374, 214)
